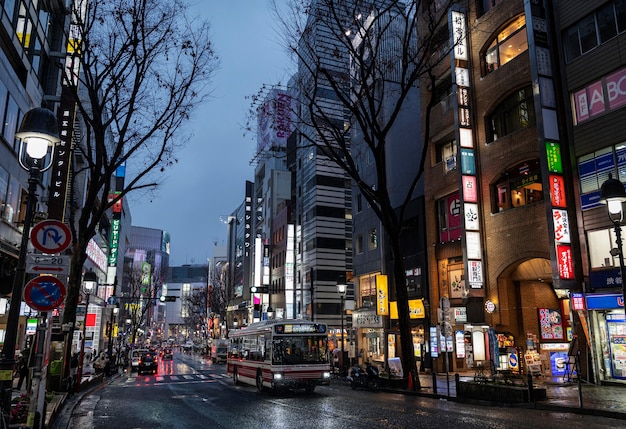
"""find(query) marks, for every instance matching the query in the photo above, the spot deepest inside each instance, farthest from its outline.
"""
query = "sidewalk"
(562, 396)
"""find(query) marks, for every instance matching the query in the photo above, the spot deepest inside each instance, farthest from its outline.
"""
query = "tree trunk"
(409, 364)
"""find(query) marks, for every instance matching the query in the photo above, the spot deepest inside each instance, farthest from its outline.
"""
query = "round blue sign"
(44, 293)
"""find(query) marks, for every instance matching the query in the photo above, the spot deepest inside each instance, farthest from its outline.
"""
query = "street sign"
(112, 300)
(44, 293)
(48, 264)
(51, 236)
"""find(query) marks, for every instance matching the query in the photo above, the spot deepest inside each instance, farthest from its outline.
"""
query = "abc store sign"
(603, 96)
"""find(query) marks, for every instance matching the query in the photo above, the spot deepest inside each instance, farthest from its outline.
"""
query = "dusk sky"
(209, 180)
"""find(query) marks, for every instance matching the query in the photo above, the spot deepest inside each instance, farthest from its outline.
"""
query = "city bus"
(280, 354)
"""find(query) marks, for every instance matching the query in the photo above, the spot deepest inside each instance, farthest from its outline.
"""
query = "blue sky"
(209, 179)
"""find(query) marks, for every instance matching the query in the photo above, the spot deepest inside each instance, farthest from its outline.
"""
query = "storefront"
(370, 336)
(607, 326)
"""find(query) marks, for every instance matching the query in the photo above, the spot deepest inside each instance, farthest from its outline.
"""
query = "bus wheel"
(259, 381)
(235, 376)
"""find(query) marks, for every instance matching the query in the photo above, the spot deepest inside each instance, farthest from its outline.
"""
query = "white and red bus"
(280, 354)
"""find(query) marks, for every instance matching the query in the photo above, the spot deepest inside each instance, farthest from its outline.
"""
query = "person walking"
(22, 368)
(72, 385)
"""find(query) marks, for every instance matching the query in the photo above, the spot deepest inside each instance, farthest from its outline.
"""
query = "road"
(190, 392)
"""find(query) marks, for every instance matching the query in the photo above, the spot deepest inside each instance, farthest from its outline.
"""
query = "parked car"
(148, 362)
(135, 356)
(166, 354)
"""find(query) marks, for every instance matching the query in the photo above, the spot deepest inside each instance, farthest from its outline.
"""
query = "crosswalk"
(172, 378)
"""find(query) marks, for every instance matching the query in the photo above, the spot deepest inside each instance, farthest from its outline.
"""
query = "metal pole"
(7, 361)
(620, 252)
(343, 343)
(79, 376)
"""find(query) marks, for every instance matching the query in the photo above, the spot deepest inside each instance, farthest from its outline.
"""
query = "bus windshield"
(300, 350)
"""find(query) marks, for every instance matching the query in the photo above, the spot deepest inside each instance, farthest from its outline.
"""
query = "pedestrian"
(22, 368)
(73, 373)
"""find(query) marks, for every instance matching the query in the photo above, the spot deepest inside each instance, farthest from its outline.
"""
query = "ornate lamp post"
(90, 281)
(612, 194)
(38, 134)
(342, 290)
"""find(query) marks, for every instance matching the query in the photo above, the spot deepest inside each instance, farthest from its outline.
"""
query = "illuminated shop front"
(607, 329)
(371, 336)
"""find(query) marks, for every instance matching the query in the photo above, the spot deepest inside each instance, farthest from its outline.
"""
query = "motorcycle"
(367, 379)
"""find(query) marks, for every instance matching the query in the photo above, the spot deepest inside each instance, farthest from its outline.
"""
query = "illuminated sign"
(553, 154)
(297, 328)
(564, 257)
(382, 295)
(561, 226)
(557, 191)
(416, 309)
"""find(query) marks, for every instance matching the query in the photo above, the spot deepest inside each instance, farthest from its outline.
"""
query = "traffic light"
(168, 298)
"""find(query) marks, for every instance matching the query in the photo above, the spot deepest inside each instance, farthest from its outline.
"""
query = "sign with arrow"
(49, 264)
(51, 236)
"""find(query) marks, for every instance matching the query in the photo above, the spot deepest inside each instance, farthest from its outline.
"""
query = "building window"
(600, 244)
(359, 244)
(449, 218)
(367, 290)
(594, 168)
(594, 29)
(508, 44)
(518, 186)
(446, 153)
(486, 5)
(359, 203)
(373, 239)
(516, 112)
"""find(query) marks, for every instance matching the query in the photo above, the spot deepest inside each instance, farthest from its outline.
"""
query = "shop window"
(516, 112)
(508, 44)
(446, 153)
(518, 186)
(449, 218)
(367, 290)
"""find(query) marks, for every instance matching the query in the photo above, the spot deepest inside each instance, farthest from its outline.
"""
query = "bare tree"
(138, 301)
(195, 311)
(140, 68)
(359, 65)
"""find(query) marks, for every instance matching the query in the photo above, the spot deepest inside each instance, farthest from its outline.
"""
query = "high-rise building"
(323, 191)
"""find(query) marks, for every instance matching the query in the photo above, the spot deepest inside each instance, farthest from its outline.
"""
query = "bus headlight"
(326, 374)
(278, 376)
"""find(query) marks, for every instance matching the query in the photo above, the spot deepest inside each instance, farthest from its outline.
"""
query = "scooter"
(367, 379)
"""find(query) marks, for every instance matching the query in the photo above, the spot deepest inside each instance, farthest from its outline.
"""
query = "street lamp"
(90, 281)
(114, 312)
(38, 134)
(612, 194)
(342, 290)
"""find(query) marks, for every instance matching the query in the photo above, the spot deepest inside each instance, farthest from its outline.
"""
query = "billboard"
(275, 120)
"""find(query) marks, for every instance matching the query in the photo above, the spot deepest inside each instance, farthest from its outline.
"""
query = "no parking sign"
(44, 293)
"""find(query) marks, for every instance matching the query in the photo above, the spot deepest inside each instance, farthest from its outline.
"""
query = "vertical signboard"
(248, 235)
(549, 138)
(468, 179)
